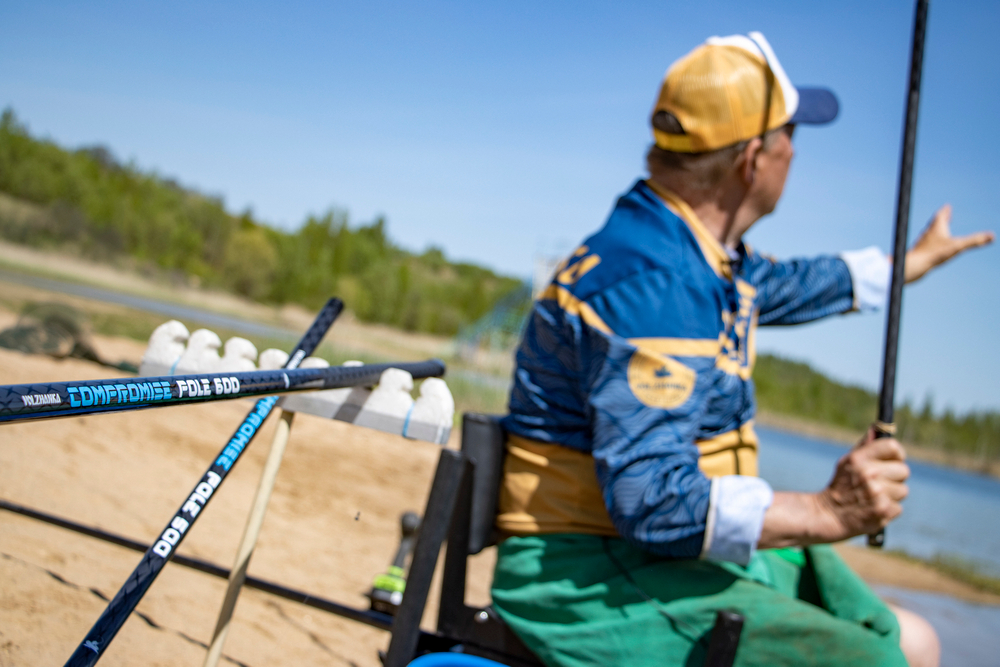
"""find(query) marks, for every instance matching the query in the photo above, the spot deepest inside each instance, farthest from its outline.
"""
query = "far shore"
(847, 437)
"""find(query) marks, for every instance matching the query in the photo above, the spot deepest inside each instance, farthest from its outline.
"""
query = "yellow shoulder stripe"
(574, 306)
(679, 347)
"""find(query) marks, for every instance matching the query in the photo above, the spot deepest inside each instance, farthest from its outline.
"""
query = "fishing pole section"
(23, 402)
(884, 426)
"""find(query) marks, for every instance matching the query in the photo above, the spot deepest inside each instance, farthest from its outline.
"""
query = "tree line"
(88, 201)
(793, 388)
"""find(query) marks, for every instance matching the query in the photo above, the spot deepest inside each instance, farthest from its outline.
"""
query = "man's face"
(771, 170)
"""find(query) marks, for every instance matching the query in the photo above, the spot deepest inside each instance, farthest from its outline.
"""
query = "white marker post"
(250, 534)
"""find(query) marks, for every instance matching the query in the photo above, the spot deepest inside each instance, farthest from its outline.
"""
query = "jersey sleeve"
(645, 457)
(871, 275)
(800, 290)
(647, 462)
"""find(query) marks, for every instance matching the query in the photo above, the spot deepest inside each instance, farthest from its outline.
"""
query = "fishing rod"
(22, 402)
(128, 596)
(884, 426)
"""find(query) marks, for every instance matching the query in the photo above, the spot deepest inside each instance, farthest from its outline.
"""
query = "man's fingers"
(976, 240)
(941, 221)
(867, 437)
(884, 449)
(894, 471)
(897, 491)
(889, 512)
(886, 499)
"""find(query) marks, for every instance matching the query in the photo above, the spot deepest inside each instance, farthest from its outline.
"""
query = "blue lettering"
(122, 393)
(239, 441)
(224, 462)
(73, 400)
(87, 396)
(133, 393)
(100, 395)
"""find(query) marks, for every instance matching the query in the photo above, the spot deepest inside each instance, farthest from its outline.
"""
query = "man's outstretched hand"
(936, 245)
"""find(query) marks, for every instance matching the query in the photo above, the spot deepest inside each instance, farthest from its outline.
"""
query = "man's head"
(723, 122)
(728, 90)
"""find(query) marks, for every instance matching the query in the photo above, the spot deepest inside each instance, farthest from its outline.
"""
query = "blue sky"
(499, 131)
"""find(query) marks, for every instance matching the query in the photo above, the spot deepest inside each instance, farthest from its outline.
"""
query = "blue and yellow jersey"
(632, 384)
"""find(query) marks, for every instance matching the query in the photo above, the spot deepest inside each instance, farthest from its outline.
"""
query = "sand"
(332, 525)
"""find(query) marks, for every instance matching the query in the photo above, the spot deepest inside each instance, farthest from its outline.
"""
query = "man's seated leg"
(917, 638)
(580, 600)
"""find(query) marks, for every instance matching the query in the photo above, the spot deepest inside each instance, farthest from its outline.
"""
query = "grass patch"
(472, 395)
(957, 568)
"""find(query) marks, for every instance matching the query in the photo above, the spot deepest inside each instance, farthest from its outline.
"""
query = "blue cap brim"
(816, 106)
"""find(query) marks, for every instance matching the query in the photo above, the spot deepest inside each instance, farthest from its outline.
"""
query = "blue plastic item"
(452, 660)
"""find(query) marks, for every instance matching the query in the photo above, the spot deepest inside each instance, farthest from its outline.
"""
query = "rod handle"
(876, 540)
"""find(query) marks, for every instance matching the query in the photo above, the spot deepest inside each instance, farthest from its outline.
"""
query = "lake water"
(948, 512)
(968, 632)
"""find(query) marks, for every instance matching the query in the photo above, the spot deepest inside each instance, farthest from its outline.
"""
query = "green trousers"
(580, 600)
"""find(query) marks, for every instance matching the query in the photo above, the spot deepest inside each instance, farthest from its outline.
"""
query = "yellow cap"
(719, 94)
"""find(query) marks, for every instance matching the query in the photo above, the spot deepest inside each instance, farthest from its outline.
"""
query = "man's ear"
(748, 164)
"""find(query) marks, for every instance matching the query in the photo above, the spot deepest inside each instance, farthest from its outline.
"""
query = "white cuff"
(871, 273)
(736, 506)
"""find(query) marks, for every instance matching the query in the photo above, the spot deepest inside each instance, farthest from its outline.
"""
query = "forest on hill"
(87, 201)
(793, 388)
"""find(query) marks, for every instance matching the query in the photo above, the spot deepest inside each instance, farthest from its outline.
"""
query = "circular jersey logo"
(658, 381)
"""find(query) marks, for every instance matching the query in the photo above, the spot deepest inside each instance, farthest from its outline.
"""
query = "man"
(630, 498)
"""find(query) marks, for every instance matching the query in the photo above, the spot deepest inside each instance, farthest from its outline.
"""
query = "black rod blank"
(71, 399)
(888, 389)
